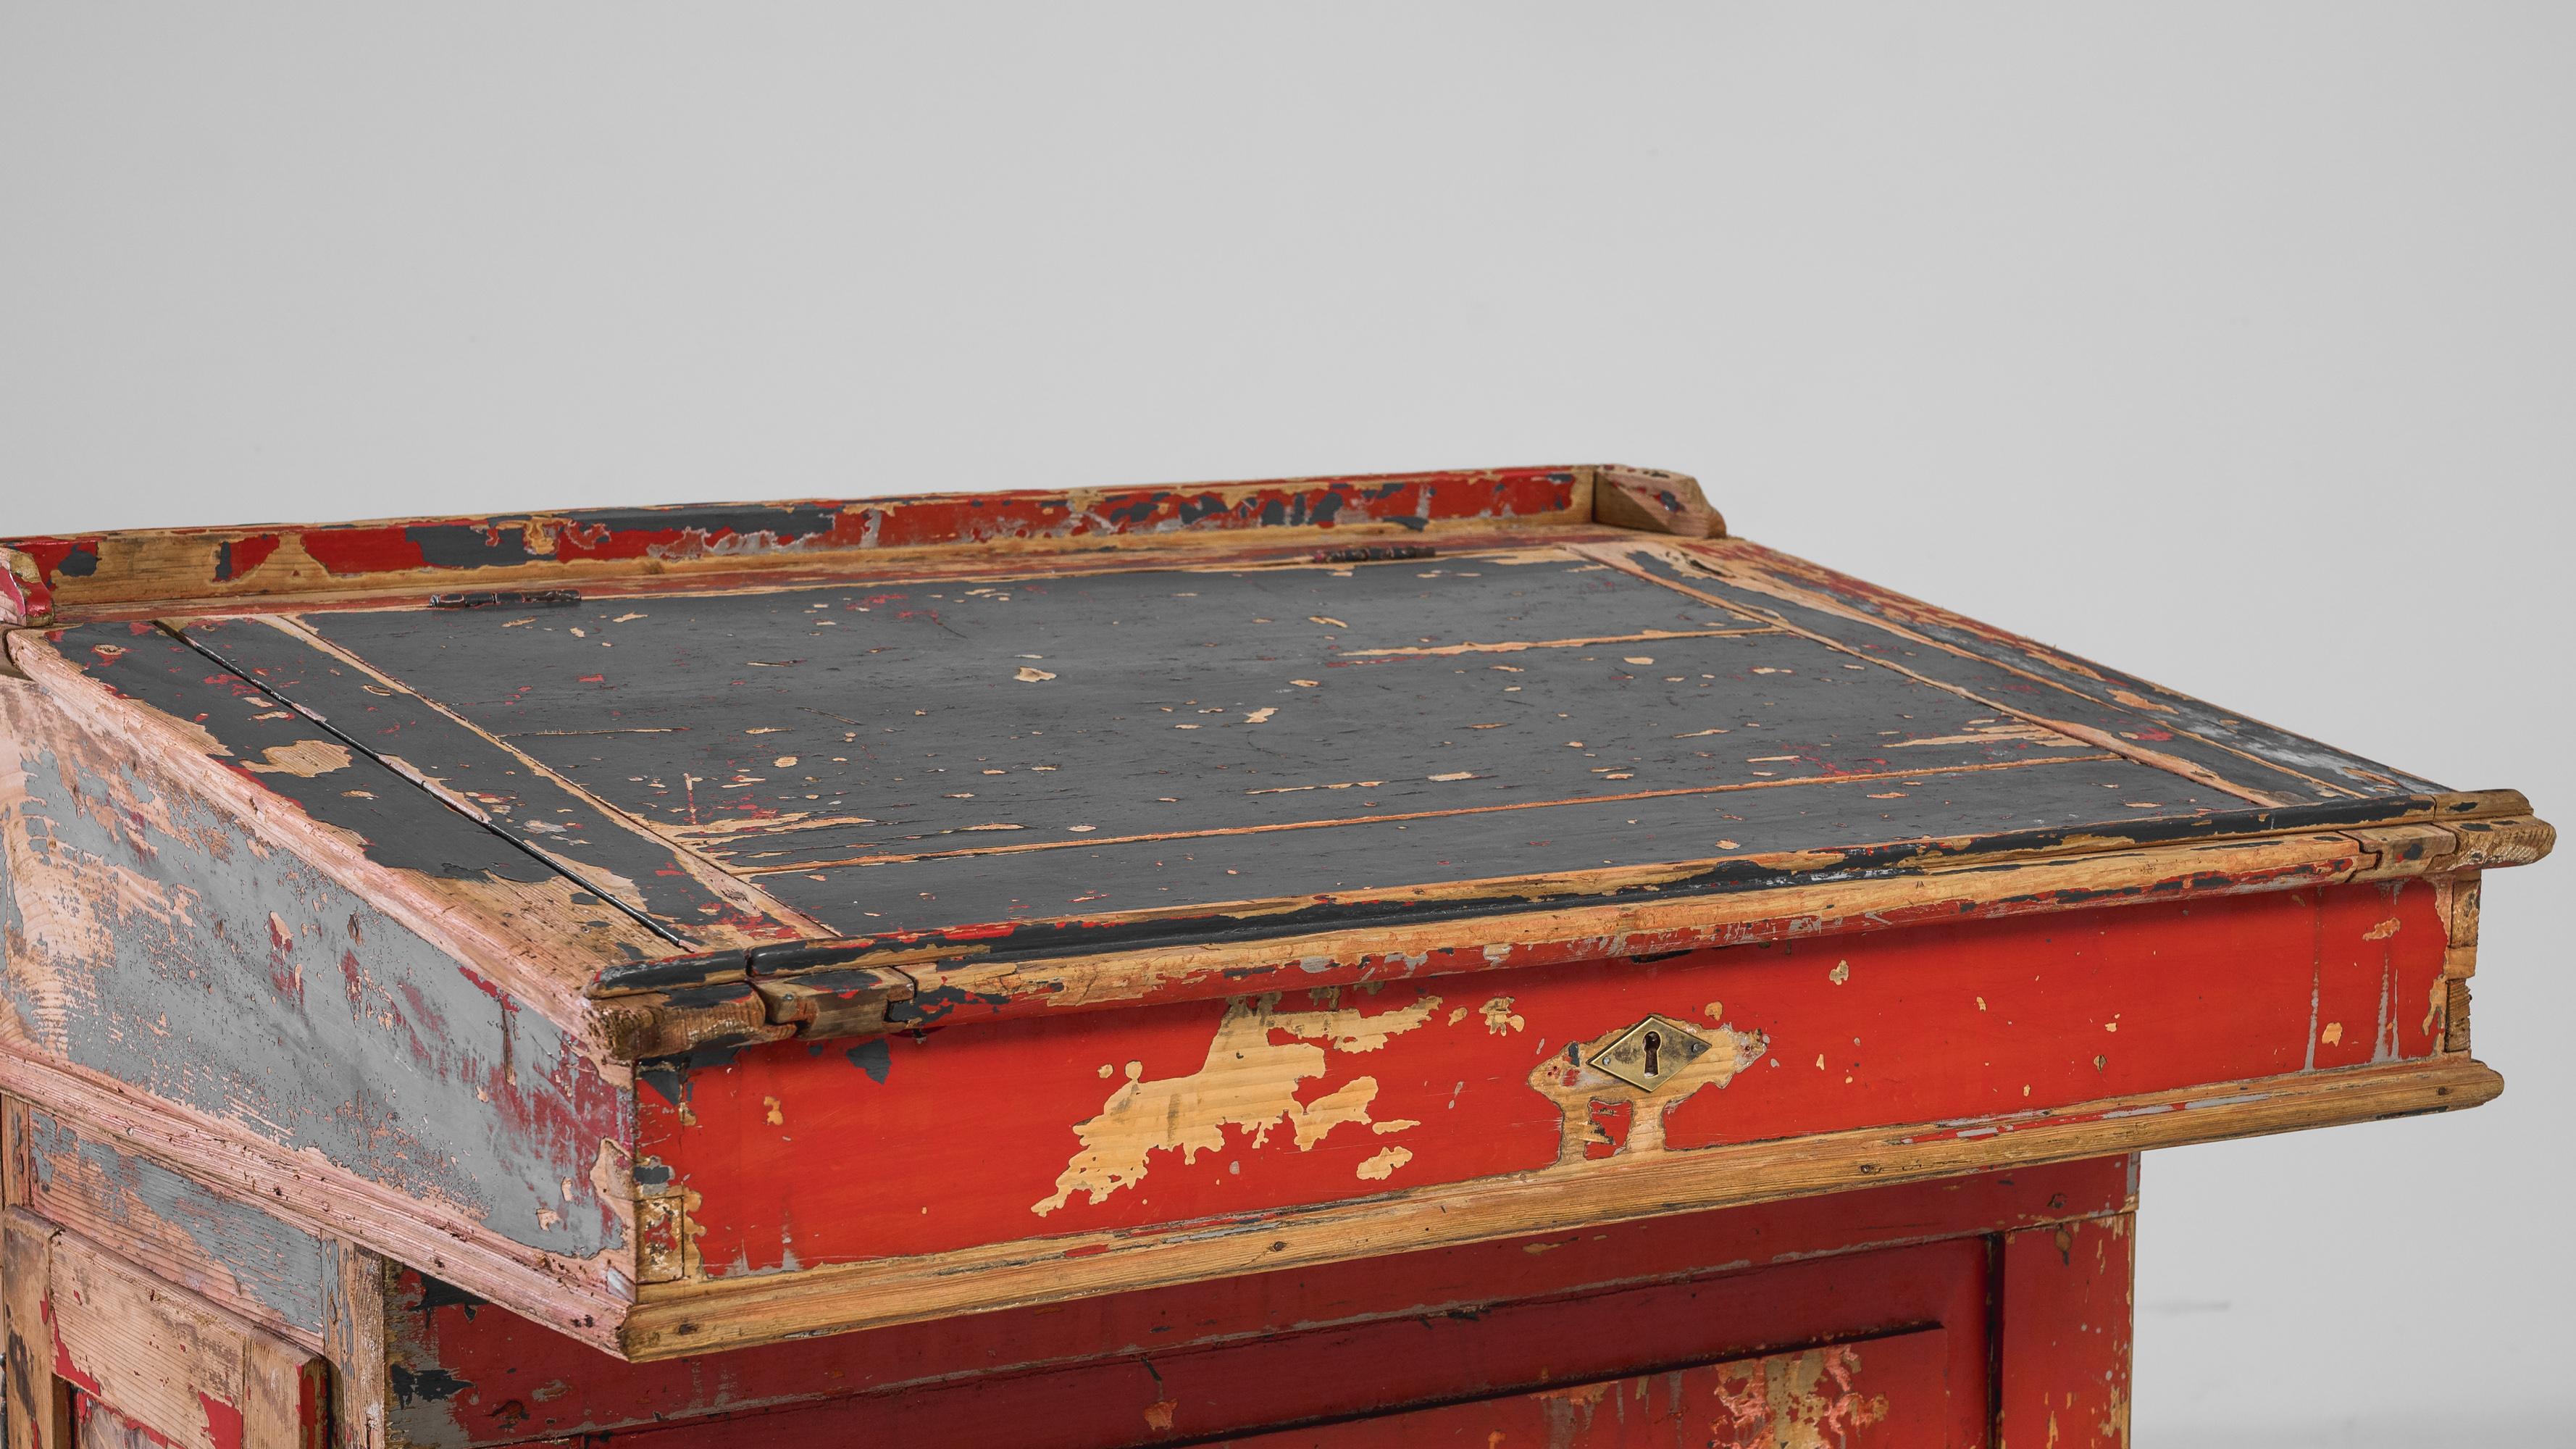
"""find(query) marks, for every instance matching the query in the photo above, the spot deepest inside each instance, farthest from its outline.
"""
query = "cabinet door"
(1862, 1394)
(100, 1351)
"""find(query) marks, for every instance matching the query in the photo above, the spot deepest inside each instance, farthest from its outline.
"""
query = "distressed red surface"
(1926, 1025)
(2065, 1313)
(476, 1375)
(1372, 1368)
(1892, 1392)
(470, 544)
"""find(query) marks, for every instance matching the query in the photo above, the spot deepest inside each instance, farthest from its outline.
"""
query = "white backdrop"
(2229, 344)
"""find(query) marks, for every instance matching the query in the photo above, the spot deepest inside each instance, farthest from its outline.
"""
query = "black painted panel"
(1080, 881)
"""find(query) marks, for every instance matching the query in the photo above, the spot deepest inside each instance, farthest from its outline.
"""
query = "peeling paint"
(1248, 1082)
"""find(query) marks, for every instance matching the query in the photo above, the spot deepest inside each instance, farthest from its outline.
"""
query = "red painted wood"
(470, 546)
(1893, 1392)
(952, 1138)
(2064, 1314)
(1377, 1367)
(469, 1374)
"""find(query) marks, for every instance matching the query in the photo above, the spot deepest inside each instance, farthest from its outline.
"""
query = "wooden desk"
(1477, 958)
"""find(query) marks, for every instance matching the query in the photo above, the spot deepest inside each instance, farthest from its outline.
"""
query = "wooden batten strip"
(89, 576)
(725, 885)
(677, 1319)
(559, 1292)
(1650, 500)
(1619, 556)
(2485, 828)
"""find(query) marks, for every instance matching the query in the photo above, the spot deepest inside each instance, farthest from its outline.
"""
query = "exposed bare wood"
(354, 1342)
(235, 1255)
(162, 1357)
(24, 598)
(39, 1404)
(1653, 501)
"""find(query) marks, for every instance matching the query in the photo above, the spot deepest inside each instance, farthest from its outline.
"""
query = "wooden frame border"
(45, 579)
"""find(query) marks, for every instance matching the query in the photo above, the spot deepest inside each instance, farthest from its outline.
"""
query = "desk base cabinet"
(1982, 1310)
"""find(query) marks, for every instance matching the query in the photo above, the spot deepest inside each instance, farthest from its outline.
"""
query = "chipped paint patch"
(1383, 1165)
(1603, 1116)
(1248, 1081)
(304, 758)
(1797, 1401)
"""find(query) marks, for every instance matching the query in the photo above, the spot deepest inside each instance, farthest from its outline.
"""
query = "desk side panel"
(156, 940)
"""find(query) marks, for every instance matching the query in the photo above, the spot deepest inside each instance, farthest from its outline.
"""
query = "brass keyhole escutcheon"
(1648, 1054)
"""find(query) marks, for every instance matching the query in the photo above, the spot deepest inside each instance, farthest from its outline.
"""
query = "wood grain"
(194, 1374)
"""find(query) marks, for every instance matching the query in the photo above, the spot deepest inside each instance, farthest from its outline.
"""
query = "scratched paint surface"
(150, 938)
(902, 757)
(1195, 1110)
(342, 788)
(501, 548)
(156, 1216)
(2066, 1314)
(2010, 669)
(469, 1374)
(1239, 1355)
(687, 898)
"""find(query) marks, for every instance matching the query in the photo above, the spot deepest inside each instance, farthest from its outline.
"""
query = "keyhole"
(1654, 1044)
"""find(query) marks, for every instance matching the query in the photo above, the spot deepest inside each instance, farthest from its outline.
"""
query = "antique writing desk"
(1472, 958)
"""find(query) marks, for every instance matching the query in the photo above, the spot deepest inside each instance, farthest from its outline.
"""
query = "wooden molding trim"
(664, 1007)
(313, 1194)
(85, 575)
(679, 1319)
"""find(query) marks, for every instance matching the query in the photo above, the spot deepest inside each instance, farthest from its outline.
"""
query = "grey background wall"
(2229, 343)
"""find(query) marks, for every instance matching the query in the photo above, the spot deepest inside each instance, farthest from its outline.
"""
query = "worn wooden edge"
(126, 1325)
(1651, 500)
(39, 1412)
(669, 1007)
(565, 1294)
(52, 577)
(1624, 556)
(157, 1244)
(541, 974)
(1753, 568)
(679, 1319)
(353, 1340)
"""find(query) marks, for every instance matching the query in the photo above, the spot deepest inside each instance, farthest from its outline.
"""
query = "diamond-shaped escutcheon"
(1648, 1054)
